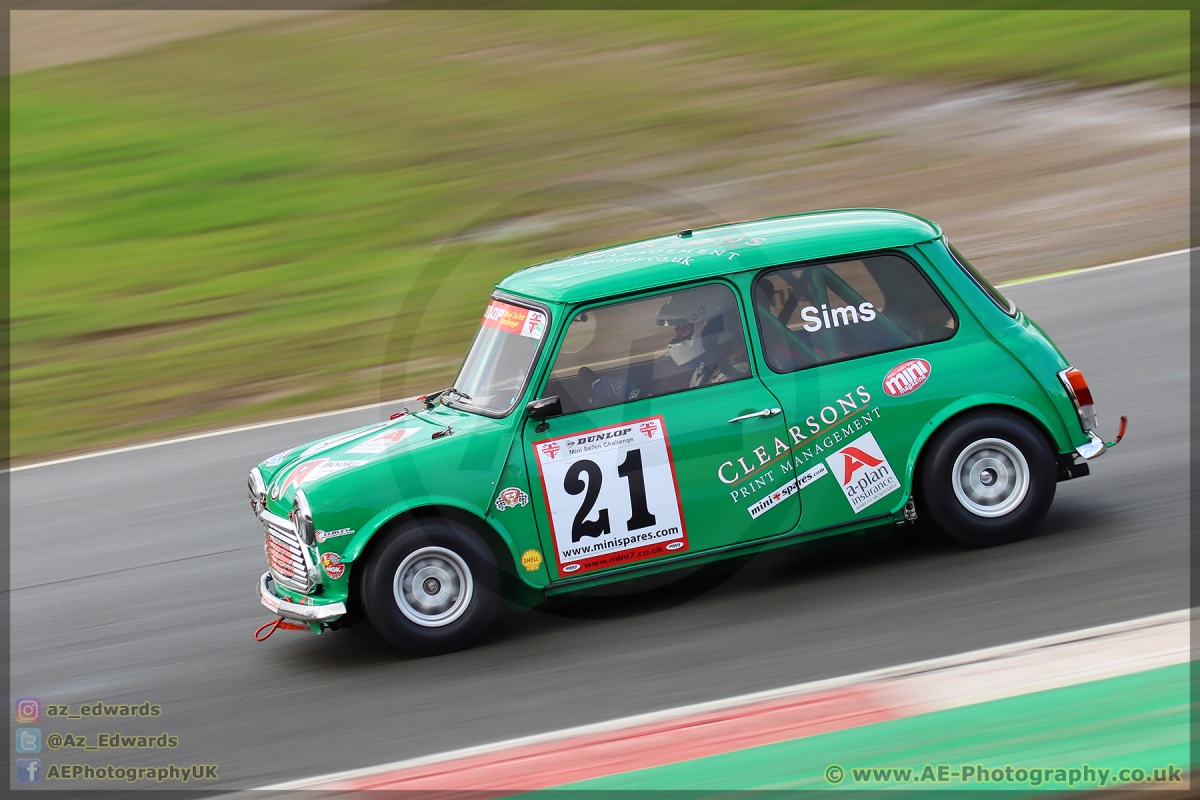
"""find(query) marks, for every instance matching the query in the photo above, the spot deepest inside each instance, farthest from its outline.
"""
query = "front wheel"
(431, 587)
(988, 478)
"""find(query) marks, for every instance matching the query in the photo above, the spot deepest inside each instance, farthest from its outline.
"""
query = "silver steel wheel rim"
(433, 586)
(990, 478)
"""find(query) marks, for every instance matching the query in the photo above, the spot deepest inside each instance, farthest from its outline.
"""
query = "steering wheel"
(605, 391)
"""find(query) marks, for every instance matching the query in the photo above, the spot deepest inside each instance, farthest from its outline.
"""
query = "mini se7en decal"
(323, 536)
(511, 498)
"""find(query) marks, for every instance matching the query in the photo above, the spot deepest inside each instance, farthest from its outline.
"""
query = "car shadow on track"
(820, 559)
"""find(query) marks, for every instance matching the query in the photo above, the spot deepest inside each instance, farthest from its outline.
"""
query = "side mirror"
(543, 408)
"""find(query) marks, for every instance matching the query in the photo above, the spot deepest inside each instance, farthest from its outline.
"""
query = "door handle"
(766, 412)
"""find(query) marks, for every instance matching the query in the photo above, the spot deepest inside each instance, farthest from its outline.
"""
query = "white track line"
(289, 420)
(208, 435)
(1081, 270)
(1165, 640)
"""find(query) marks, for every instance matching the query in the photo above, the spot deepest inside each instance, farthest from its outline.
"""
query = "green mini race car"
(672, 402)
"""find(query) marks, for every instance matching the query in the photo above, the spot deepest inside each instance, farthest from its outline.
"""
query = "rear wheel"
(431, 586)
(988, 478)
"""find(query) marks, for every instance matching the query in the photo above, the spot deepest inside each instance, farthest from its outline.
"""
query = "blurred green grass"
(222, 229)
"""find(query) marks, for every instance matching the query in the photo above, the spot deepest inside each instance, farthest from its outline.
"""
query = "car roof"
(719, 250)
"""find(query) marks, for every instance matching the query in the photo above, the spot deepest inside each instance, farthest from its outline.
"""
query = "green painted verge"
(1137, 721)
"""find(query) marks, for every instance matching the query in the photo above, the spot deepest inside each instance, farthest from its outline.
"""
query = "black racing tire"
(413, 586)
(987, 478)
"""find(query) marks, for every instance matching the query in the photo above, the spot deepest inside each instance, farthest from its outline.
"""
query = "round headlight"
(257, 490)
(302, 517)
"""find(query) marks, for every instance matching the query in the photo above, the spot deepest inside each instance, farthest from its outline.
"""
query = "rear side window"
(820, 313)
(1006, 305)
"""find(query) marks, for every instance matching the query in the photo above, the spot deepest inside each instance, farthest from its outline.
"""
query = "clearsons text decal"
(752, 478)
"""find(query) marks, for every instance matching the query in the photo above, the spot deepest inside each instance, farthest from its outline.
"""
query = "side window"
(650, 347)
(829, 312)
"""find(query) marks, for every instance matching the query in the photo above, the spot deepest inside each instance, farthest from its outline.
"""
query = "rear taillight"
(1081, 395)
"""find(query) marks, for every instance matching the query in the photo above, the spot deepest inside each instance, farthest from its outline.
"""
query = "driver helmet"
(690, 312)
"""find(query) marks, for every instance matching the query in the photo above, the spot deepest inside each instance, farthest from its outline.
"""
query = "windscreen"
(495, 370)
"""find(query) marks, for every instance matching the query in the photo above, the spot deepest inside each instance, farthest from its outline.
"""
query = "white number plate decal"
(612, 496)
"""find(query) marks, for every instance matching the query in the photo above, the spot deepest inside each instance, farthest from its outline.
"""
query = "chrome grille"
(285, 554)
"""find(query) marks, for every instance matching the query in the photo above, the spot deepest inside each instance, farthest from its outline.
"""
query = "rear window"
(1006, 305)
(819, 313)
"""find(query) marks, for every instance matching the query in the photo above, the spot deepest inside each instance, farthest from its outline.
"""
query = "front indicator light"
(1081, 396)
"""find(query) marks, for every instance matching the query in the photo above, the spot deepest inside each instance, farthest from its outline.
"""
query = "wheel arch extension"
(965, 406)
(497, 540)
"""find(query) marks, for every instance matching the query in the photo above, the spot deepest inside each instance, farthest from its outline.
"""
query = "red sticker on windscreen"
(514, 319)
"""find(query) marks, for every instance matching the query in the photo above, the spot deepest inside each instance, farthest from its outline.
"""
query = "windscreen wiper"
(430, 400)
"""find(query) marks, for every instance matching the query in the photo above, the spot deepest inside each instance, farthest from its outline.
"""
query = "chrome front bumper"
(296, 611)
(1095, 446)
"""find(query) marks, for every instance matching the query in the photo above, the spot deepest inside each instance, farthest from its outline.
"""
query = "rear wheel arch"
(980, 515)
(956, 411)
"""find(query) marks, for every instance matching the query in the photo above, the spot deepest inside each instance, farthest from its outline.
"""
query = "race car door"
(854, 350)
(668, 444)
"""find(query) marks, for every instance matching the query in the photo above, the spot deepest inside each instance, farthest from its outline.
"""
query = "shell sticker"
(531, 560)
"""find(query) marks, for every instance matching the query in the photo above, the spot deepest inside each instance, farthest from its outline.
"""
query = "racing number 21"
(630, 469)
(611, 495)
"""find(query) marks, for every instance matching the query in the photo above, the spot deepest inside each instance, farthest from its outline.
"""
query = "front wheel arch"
(501, 549)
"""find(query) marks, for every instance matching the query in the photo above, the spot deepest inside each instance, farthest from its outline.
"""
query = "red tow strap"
(1120, 434)
(275, 625)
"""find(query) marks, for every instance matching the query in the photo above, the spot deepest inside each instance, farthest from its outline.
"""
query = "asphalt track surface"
(134, 579)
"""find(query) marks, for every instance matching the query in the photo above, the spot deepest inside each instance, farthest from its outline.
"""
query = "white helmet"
(695, 307)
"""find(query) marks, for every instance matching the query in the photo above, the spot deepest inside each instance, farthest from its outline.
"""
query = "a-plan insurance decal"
(612, 496)
(311, 471)
(383, 441)
(341, 438)
(863, 472)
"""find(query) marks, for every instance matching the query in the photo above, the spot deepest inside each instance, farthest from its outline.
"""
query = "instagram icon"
(29, 709)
